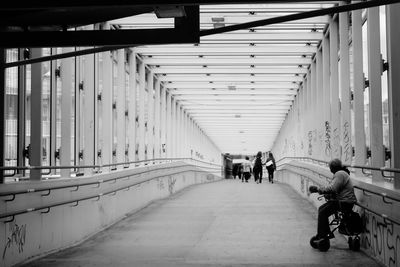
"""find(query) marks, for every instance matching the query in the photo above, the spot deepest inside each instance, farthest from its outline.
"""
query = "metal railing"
(98, 168)
(365, 191)
(12, 214)
(383, 170)
(76, 187)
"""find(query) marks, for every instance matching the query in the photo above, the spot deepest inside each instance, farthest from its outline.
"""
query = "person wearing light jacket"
(340, 196)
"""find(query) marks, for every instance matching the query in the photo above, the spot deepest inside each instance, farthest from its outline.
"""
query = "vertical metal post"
(178, 130)
(36, 148)
(67, 65)
(53, 111)
(358, 87)
(142, 82)
(334, 89)
(169, 126)
(313, 109)
(120, 108)
(150, 115)
(173, 130)
(305, 117)
(326, 101)
(375, 91)
(21, 112)
(163, 119)
(157, 122)
(89, 107)
(318, 103)
(345, 136)
(132, 106)
(107, 110)
(2, 111)
(393, 42)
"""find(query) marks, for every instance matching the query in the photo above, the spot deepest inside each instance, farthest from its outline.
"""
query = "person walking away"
(257, 170)
(271, 167)
(342, 197)
(240, 172)
(246, 170)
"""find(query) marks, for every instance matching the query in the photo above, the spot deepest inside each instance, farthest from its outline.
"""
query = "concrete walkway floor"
(227, 223)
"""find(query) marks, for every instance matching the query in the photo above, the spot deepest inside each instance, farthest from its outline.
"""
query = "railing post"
(2, 111)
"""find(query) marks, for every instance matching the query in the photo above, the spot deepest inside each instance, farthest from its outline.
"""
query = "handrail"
(98, 196)
(382, 194)
(381, 169)
(33, 190)
(98, 166)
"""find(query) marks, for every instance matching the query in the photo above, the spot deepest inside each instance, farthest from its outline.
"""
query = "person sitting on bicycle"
(340, 197)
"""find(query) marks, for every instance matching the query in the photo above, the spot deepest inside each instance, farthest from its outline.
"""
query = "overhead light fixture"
(231, 87)
(238, 116)
(169, 11)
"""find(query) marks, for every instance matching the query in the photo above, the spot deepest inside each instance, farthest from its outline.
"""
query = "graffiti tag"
(17, 238)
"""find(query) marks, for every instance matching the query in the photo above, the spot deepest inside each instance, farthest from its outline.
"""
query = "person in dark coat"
(342, 196)
(257, 169)
(271, 167)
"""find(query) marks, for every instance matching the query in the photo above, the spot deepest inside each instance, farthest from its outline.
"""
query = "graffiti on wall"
(347, 150)
(382, 239)
(171, 184)
(328, 148)
(16, 238)
(336, 143)
(310, 147)
(160, 184)
(210, 177)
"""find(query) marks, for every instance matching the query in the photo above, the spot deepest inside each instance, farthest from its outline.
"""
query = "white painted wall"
(35, 234)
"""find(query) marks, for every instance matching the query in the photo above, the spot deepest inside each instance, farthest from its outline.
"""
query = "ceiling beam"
(297, 16)
(274, 85)
(225, 50)
(231, 78)
(265, 61)
(227, 70)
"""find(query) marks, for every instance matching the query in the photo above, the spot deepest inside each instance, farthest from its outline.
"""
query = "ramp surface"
(227, 223)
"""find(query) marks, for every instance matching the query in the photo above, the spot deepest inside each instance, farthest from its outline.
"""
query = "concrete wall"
(36, 234)
(381, 239)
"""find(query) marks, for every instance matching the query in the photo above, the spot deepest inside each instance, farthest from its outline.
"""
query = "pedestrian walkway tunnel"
(110, 107)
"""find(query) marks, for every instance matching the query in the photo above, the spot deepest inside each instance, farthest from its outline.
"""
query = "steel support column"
(150, 115)
(313, 110)
(358, 87)
(36, 148)
(375, 91)
(326, 103)
(163, 119)
(107, 110)
(142, 130)
(89, 148)
(169, 125)
(334, 88)
(120, 107)
(67, 68)
(2, 110)
(157, 121)
(174, 126)
(318, 104)
(345, 136)
(132, 130)
(393, 42)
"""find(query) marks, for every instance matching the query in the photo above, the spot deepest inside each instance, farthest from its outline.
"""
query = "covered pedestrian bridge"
(120, 122)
